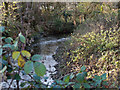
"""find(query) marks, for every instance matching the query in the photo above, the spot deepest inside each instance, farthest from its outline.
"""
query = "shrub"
(99, 51)
(81, 81)
(12, 50)
(58, 26)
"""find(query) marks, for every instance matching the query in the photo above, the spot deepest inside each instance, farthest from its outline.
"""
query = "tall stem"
(17, 84)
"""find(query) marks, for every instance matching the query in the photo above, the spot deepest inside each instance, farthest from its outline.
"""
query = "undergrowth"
(99, 52)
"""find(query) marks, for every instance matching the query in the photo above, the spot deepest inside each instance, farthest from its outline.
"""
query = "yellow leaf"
(21, 61)
(3, 4)
(14, 2)
(26, 53)
(15, 55)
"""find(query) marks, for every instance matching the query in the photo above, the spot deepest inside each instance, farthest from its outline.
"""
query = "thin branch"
(12, 80)
(17, 81)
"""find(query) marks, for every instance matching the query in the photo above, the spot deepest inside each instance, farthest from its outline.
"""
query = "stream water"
(46, 47)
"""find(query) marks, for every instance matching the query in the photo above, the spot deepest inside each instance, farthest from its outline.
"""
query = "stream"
(46, 47)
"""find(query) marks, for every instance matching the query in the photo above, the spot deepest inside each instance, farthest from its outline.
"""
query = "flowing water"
(46, 47)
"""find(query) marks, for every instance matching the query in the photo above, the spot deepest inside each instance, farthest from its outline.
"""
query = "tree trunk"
(6, 16)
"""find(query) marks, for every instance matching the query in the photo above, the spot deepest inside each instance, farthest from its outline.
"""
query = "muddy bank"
(62, 59)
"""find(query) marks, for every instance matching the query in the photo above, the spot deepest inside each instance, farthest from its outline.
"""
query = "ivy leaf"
(9, 68)
(5, 67)
(1, 51)
(104, 83)
(26, 53)
(66, 78)
(39, 68)
(103, 76)
(84, 74)
(36, 57)
(17, 77)
(96, 78)
(57, 86)
(22, 38)
(7, 46)
(8, 40)
(71, 76)
(15, 55)
(80, 77)
(77, 85)
(83, 68)
(23, 84)
(21, 61)
(2, 37)
(14, 46)
(98, 83)
(69, 83)
(4, 62)
(2, 28)
(28, 67)
(36, 77)
(60, 82)
(86, 85)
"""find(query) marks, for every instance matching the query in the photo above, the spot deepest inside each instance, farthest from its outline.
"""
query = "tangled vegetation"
(80, 81)
(26, 63)
(99, 52)
(90, 59)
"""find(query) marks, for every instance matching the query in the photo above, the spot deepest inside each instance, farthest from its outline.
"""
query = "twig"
(12, 80)
(17, 81)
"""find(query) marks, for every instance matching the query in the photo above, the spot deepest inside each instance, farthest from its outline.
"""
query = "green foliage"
(94, 49)
(80, 77)
(15, 55)
(28, 67)
(8, 40)
(1, 51)
(23, 84)
(5, 67)
(22, 38)
(97, 49)
(58, 26)
(26, 54)
(76, 81)
(7, 46)
(81, 81)
(66, 78)
(83, 68)
(39, 68)
(17, 77)
(26, 63)
(36, 77)
(36, 57)
(77, 85)
(2, 29)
